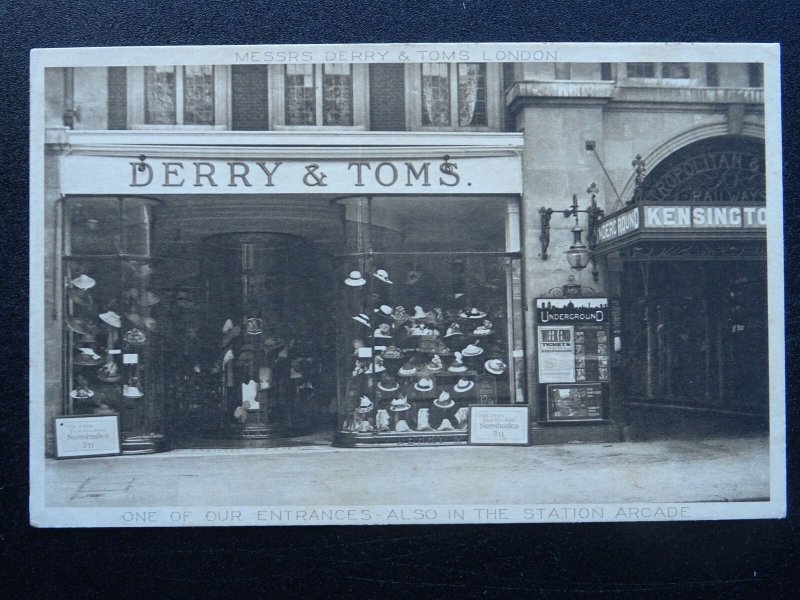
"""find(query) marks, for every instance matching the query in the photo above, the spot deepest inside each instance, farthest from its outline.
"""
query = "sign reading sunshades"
(87, 436)
(677, 217)
(498, 425)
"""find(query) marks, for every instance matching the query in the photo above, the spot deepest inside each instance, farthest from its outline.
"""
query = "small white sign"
(130, 359)
(87, 436)
(491, 425)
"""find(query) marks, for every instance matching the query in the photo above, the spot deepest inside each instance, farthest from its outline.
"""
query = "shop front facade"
(244, 255)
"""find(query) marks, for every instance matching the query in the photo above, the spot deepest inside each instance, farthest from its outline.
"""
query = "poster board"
(575, 402)
(498, 425)
(87, 435)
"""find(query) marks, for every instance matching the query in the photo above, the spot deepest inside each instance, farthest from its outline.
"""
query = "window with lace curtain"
(321, 95)
(453, 96)
(177, 95)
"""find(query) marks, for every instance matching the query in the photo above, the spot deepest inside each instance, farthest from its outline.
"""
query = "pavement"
(667, 471)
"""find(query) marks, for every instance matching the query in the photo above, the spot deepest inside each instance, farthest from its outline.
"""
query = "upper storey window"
(170, 96)
(324, 95)
(673, 70)
(453, 96)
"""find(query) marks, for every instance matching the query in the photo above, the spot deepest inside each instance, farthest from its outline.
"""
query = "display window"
(427, 322)
(112, 317)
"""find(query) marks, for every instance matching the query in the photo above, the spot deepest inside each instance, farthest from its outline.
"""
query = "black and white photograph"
(386, 284)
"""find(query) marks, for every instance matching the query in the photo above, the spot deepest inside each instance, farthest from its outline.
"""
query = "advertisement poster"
(582, 402)
(556, 353)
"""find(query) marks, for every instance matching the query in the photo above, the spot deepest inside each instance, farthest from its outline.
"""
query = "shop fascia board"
(256, 144)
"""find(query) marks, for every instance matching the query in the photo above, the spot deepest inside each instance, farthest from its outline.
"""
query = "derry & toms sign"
(275, 175)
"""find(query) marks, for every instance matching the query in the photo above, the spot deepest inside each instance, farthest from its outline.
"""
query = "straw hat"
(383, 331)
(424, 385)
(132, 391)
(84, 282)
(148, 298)
(388, 384)
(472, 350)
(419, 313)
(399, 404)
(81, 393)
(362, 318)
(254, 325)
(407, 369)
(463, 385)
(458, 365)
(109, 372)
(111, 318)
(454, 329)
(495, 366)
(473, 313)
(444, 400)
(355, 279)
(382, 276)
(384, 310)
(365, 405)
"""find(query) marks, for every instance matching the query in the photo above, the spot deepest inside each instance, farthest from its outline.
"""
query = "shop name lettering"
(204, 174)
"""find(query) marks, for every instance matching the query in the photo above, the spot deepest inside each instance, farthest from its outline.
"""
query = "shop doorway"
(252, 355)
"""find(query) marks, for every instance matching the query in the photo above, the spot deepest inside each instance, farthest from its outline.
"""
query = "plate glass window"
(308, 103)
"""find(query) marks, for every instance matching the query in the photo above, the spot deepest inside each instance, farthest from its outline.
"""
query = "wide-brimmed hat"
(227, 326)
(362, 318)
(131, 391)
(407, 370)
(382, 275)
(87, 357)
(109, 372)
(355, 279)
(150, 323)
(472, 350)
(495, 366)
(399, 404)
(87, 338)
(227, 357)
(472, 313)
(388, 384)
(81, 393)
(365, 405)
(424, 385)
(148, 298)
(81, 325)
(454, 329)
(384, 310)
(80, 297)
(419, 313)
(254, 326)
(135, 336)
(83, 282)
(383, 331)
(482, 330)
(444, 400)
(463, 385)
(435, 364)
(111, 318)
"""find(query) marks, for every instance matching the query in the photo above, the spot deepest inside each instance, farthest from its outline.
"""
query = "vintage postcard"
(394, 284)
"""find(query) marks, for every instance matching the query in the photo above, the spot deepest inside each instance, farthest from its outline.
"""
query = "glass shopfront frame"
(429, 317)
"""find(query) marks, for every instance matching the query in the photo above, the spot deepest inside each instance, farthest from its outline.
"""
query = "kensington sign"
(681, 217)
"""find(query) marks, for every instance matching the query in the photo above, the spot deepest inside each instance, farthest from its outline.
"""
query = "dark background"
(742, 559)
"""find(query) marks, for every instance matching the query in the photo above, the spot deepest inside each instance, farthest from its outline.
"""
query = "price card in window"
(130, 359)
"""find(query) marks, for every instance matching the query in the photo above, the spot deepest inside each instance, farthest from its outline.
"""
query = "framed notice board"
(87, 435)
(498, 425)
(575, 402)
